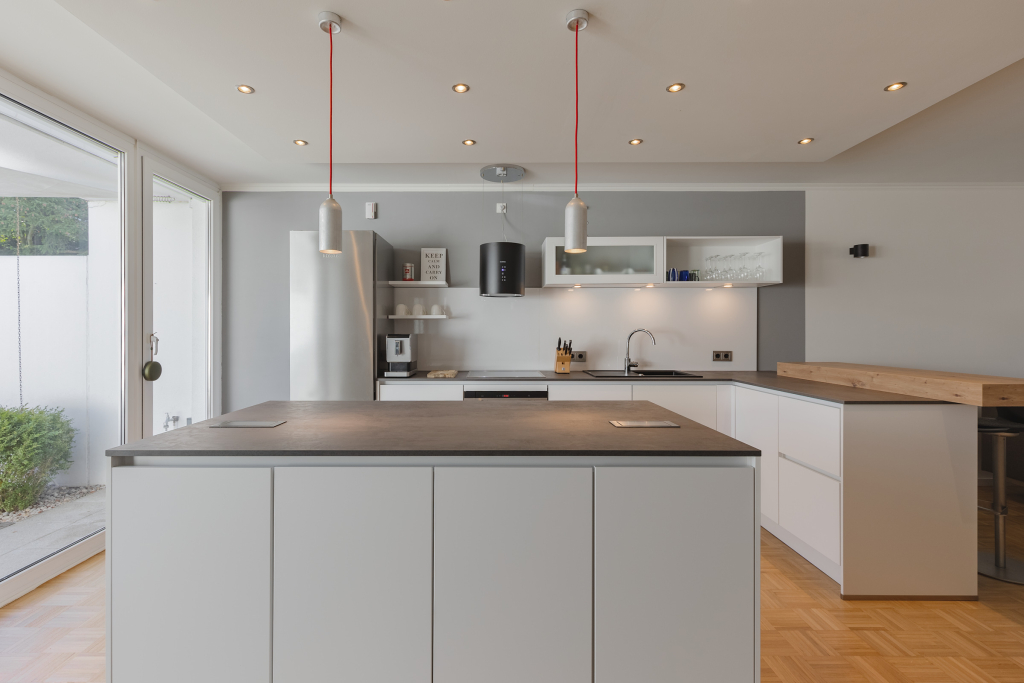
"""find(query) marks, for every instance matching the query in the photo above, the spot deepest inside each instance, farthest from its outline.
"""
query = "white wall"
(70, 337)
(521, 333)
(942, 288)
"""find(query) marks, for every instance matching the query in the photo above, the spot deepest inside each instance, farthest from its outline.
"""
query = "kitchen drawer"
(811, 433)
(589, 392)
(420, 392)
(809, 507)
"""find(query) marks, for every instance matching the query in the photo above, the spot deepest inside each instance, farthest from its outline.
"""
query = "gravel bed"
(52, 497)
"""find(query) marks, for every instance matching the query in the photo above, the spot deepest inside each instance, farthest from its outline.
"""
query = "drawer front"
(809, 508)
(420, 392)
(810, 433)
(590, 392)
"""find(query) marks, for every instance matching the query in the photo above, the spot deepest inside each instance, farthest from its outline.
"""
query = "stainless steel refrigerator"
(339, 306)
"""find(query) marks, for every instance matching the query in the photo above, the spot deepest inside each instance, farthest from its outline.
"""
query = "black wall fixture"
(502, 269)
(859, 251)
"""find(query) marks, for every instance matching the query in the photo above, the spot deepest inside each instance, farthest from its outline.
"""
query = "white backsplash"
(521, 333)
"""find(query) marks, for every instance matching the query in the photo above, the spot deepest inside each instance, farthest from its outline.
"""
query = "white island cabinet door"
(352, 565)
(675, 570)
(698, 402)
(512, 575)
(757, 425)
(191, 550)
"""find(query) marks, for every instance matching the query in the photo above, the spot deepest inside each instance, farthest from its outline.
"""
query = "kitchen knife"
(559, 347)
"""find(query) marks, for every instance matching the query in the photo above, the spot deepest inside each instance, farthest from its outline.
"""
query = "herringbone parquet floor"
(56, 635)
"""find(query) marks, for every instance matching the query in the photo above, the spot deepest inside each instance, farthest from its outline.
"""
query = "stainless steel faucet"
(630, 364)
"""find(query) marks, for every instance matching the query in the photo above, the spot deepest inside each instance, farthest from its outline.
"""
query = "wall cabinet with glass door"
(740, 261)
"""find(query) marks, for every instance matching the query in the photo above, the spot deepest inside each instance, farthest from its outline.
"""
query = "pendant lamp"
(502, 264)
(330, 210)
(576, 209)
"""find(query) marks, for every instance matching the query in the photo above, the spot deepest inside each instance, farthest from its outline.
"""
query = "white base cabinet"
(190, 565)
(512, 575)
(757, 425)
(664, 612)
(698, 402)
(589, 392)
(420, 392)
(352, 567)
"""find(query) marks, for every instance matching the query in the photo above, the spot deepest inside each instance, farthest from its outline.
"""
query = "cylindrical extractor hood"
(502, 269)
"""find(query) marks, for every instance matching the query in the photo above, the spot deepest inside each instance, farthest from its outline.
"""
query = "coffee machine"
(400, 352)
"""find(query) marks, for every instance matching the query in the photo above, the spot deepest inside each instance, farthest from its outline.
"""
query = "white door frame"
(153, 164)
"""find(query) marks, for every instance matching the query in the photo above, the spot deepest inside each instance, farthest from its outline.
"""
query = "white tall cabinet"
(352, 574)
(512, 575)
(662, 612)
(191, 566)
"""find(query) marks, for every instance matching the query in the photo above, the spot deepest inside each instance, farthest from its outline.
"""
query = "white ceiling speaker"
(330, 210)
(576, 209)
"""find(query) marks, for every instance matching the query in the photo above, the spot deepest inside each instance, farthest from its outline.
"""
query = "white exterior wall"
(70, 334)
(940, 290)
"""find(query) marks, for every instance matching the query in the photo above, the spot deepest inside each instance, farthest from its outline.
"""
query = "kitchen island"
(445, 542)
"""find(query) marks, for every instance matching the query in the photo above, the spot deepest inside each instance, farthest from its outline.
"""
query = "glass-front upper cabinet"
(607, 262)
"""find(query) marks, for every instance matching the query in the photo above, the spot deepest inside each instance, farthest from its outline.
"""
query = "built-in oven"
(502, 392)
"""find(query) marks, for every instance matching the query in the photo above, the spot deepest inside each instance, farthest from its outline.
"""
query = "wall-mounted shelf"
(641, 261)
(417, 317)
(418, 283)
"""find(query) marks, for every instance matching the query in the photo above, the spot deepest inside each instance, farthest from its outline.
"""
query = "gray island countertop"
(471, 428)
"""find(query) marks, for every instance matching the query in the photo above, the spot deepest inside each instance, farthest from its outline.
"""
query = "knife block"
(562, 361)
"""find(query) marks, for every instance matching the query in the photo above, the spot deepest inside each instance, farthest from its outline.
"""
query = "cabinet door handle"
(810, 467)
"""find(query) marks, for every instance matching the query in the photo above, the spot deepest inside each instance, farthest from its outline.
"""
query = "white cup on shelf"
(401, 309)
(417, 309)
(436, 310)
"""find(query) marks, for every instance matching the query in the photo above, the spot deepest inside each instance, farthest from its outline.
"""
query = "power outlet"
(579, 356)
(500, 207)
(722, 355)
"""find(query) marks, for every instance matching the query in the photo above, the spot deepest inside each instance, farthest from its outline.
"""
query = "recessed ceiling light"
(469, 143)
(895, 86)
(300, 143)
(460, 87)
(635, 141)
(676, 87)
(806, 141)
(246, 89)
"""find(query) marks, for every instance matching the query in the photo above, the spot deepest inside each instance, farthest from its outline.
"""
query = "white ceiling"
(760, 75)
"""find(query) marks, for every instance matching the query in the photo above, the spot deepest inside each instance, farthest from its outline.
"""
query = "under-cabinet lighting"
(895, 86)
(650, 285)
(727, 285)
(806, 141)
(577, 286)
(707, 290)
(246, 89)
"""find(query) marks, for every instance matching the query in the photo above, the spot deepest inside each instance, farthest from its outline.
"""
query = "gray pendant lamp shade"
(575, 226)
(330, 226)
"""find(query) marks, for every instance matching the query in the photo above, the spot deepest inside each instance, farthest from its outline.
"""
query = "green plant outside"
(48, 226)
(35, 444)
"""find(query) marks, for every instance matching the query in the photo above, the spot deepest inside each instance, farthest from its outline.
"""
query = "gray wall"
(256, 226)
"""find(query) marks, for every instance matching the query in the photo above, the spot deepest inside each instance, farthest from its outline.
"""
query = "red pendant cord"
(330, 186)
(576, 135)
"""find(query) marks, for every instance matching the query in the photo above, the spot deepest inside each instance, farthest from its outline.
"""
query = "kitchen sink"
(618, 374)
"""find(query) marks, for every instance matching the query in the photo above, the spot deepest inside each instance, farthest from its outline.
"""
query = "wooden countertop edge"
(976, 390)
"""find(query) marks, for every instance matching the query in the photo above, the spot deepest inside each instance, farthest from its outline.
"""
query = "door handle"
(151, 369)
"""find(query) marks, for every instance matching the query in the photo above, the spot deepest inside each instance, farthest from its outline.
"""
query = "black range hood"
(502, 269)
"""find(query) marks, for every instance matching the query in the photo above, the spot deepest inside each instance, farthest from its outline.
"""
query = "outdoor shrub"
(35, 444)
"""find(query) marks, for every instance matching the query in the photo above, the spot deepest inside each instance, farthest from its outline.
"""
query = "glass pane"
(181, 228)
(606, 260)
(60, 333)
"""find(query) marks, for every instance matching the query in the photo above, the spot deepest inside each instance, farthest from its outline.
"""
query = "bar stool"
(997, 565)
